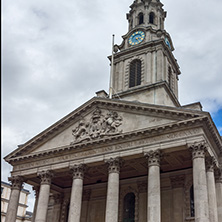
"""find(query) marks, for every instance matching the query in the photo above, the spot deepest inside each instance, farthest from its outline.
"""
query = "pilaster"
(177, 183)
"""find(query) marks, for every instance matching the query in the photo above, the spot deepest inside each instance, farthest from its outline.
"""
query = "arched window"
(129, 208)
(192, 209)
(135, 73)
(151, 18)
(140, 17)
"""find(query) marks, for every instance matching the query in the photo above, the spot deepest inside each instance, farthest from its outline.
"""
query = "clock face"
(136, 38)
(167, 42)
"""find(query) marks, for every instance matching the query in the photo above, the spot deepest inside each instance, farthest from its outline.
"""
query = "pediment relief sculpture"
(100, 125)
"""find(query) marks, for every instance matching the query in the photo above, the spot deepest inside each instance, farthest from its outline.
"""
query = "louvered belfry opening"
(170, 76)
(140, 18)
(135, 73)
(151, 18)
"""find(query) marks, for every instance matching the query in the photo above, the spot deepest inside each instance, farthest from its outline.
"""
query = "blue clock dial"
(136, 38)
(167, 42)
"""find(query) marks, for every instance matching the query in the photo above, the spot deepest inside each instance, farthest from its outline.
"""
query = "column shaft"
(200, 183)
(112, 198)
(211, 191)
(112, 201)
(76, 193)
(154, 194)
(36, 189)
(154, 204)
(14, 199)
(219, 195)
(43, 199)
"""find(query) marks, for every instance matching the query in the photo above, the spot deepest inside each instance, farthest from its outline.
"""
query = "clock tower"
(144, 67)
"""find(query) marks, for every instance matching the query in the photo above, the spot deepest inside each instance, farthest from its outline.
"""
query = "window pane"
(135, 73)
(129, 208)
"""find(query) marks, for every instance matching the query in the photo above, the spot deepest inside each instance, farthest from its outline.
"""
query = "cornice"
(153, 131)
(156, 110)
(213, 132)
(145, 48)
(147, 87)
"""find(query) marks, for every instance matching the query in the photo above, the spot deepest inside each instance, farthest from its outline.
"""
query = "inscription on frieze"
(107, 149)
(100, 125)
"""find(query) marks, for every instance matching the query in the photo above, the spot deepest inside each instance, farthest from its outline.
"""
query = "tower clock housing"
(144, 67)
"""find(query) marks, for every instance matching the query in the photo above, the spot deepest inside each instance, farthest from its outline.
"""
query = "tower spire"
(146, 13)
(144, 67)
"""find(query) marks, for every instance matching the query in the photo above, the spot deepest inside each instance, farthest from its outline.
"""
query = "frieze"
(104, 150)
(100, 125)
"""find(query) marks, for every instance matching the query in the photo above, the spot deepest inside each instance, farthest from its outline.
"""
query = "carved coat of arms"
(99, 125)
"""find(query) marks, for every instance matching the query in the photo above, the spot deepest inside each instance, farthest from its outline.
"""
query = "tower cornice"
(145, 48)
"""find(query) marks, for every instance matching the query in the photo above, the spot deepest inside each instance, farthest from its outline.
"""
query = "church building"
(133, 155)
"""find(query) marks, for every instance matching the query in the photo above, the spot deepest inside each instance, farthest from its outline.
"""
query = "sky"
(54, 59)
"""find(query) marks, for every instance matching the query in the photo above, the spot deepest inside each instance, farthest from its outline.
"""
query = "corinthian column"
(211, 163)
(153, 205)
(76, 194)
(200, 182)
(219, 193)
(112, 200)
(14, 198)
(43, 199)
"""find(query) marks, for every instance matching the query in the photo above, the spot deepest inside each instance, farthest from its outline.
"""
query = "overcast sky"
(54, 58)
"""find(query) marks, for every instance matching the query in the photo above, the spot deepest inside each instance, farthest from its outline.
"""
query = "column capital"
(78, 171)
(210, 164)
(153, 157)
(198, 149)
(114, 164)
(16, 182)
(45, 176)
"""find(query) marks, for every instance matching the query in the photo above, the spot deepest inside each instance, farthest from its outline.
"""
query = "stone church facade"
(135, 156)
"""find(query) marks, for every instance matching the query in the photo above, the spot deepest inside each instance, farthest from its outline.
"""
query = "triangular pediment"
(99, 119)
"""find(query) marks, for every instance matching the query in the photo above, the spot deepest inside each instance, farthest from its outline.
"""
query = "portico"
(102, 178)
